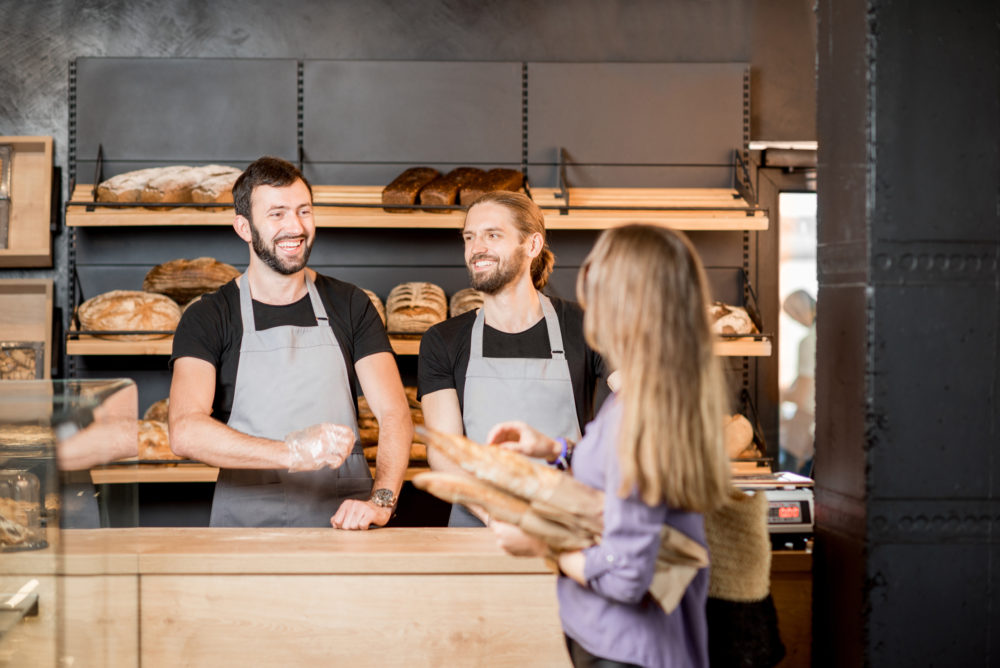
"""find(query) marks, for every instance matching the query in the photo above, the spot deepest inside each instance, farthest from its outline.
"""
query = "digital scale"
(790, 503)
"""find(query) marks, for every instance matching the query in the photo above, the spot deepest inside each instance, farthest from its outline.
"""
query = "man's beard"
(503, 275)
(269, 256)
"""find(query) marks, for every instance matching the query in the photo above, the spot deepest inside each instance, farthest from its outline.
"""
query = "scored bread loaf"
(728, 319)
(405, 188)
(157, 410)
(464, 300)
(175, 184)
(129, 310)
(495, 179)
(444, 189)
(377, 303)
(183, 280)
(414, 307)
(154, 440)
(127, 186)
(216, 189)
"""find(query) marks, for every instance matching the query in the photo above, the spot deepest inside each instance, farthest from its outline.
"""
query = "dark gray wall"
(907, 556)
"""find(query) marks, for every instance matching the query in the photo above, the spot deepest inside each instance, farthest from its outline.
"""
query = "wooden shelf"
(89, 345)
(29, 242)
(178, 472)
(26, 308)
(709, 209)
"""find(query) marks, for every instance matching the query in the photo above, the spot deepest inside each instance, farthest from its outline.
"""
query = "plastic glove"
(324, 444)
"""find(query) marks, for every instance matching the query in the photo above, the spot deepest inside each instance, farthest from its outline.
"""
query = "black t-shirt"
(212, 330)
(445, 350)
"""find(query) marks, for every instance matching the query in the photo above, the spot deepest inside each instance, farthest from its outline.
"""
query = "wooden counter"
(295, 597)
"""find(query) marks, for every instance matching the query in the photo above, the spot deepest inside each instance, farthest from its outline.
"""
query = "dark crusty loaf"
(444, 189)
(183, 280)
(414, 307)
(405, 188)
(495, 179)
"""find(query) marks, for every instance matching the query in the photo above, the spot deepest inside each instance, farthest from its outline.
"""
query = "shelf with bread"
(703, 209)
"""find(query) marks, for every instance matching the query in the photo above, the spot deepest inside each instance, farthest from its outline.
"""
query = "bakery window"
(797, 288)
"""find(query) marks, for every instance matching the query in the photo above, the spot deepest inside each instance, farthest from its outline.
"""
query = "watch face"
(383, 497)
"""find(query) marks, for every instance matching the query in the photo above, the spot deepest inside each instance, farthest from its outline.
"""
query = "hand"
(324, 444)
(519, 437)
(355, 514)
(514, 541)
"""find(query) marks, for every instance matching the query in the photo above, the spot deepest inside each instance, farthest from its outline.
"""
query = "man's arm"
(383, 388)
(194, 434)
(443, 413)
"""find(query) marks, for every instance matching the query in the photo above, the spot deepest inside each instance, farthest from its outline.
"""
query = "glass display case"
(65, 582)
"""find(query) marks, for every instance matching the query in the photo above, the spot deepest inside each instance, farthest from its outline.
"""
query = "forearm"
(206, 439)
(395, 439)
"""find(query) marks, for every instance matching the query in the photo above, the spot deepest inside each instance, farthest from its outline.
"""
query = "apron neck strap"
(246, 303)
(551, 325)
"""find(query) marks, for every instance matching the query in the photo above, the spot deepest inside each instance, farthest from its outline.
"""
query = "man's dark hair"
(266, 171)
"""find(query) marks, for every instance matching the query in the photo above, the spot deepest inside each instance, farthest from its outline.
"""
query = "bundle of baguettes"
(544, 502)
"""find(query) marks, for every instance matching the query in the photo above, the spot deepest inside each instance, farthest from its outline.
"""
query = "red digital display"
(789, 512)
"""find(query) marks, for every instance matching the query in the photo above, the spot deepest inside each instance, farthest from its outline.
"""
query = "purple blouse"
(615, 617)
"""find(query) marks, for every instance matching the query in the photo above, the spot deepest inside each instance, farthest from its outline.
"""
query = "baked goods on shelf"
(377, 303)
(157, 410)
(18, 362)
(412, 308)
(368, 425)
(183, 280)
(444, 189)
(466, 299)
(172, 185)
(728, 319)
(495, 179)
(738, 437)
(154, 441)
(129, 310)
(216, 189)
(405, 188)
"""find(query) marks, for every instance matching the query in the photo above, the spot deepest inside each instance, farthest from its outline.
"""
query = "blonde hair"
(645, 296)
(528, 219)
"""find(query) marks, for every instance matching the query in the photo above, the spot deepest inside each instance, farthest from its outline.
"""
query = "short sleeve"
(434, 368)
(368, 333)
(201, 333)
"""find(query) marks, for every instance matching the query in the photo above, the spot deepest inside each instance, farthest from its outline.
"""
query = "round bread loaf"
(465, 300)
(377, 303)
(728, 319)
(183, 280)
(414, 307)
(129, 310)
(157, 411)
(154, 440)
(737, 435)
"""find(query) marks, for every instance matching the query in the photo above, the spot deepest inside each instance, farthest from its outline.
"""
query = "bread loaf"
(377, 303)
(129, 310)
(737, 435)
(216, 189)
(175, 184)
(18, 363)
(414, 307)
(444, 189)
(158, 410)
(728, 319)
(405, 188)
(154, 441)
(495, 179)
(128, 186)
(464, 300)
(183, 280)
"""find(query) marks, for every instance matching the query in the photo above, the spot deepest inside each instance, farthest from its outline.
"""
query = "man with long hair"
(522, 355)
(264, 371)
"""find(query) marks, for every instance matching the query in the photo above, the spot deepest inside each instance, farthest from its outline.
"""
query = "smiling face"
(281, 227)
(494, 252)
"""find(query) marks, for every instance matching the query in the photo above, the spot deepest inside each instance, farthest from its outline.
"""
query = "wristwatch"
(383, 498)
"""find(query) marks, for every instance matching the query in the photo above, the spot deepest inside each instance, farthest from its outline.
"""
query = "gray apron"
(289, 378)
(538, 391)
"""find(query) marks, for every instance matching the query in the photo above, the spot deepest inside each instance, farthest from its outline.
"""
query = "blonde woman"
(655, 448)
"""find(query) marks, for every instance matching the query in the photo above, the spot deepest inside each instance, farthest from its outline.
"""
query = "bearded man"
(264, 377)
(522, 356)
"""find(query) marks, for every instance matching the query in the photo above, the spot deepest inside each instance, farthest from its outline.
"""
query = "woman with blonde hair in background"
(655, 448)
